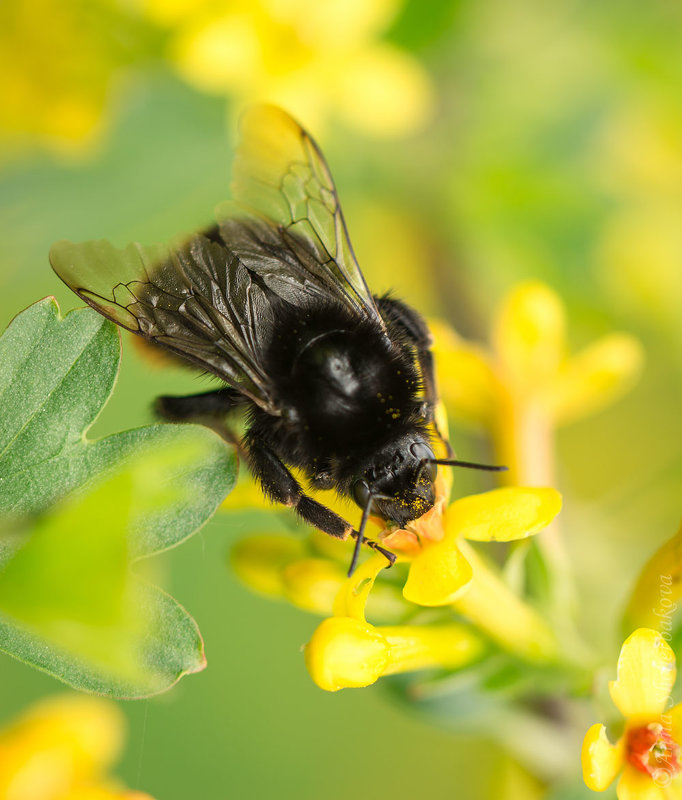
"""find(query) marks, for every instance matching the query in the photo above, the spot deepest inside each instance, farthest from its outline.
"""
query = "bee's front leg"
(280, 486)
(218, 402)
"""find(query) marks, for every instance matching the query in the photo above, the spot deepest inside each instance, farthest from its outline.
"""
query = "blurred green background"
(474, 145)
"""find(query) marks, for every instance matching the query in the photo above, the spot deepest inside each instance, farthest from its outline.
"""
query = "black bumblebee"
(336, 381)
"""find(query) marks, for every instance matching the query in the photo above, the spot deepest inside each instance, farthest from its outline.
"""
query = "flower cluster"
(63, 747)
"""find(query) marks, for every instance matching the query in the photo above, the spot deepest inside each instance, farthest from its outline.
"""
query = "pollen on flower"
(651, 749)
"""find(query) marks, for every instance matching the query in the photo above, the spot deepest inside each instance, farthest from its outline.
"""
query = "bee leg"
(197, 406)
(280, 486)
(412, 325)
(388, 555)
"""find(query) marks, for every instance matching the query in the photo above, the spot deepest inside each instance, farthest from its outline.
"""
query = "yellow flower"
(445, 570)
(346, 651)
(649, 751)
(58, 73)
(61, 749)
(309, 57)
(528, 385)
(638, 254)
(439, 572)
(524, 388)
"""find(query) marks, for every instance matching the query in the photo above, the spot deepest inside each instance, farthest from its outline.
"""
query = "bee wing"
(193, 297)
(280, 175)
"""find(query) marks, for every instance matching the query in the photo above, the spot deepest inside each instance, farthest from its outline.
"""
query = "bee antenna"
(360, 535)
(452, 462)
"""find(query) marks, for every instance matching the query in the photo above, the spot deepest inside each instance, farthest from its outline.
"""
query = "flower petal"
(595, 377)
(246, 494)
(636, 785)
(383, 91)
(646, 674)
(601, 760)
(403, 542)
(674, 790)
(76, 735)
(430, 526)
(344, 653)
(466, 379)
(352, 597)
(220, 54)
(438, 575)
(529, 335)
(503, 515)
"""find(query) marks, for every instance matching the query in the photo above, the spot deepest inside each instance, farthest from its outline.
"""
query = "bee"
(334, 380)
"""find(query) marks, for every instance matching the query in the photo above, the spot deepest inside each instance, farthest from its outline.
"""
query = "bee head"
(399, 482)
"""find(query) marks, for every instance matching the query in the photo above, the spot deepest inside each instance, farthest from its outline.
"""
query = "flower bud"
(345, 652)
(312, 584)
(259, 561)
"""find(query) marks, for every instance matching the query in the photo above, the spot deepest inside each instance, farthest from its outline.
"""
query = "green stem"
(491, 605)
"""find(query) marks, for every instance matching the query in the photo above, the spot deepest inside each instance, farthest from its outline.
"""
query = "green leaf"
(70, 603)
(107, 630)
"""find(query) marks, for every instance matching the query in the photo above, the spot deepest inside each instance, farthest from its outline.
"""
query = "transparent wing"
(193, 297)
(281, 176)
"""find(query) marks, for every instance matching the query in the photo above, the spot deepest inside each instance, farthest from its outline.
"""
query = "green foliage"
(78, 512)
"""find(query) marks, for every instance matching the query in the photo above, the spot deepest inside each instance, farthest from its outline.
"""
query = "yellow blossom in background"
(307, 573)
(314, 59)
(648, 753)
(639, 162)
(523, 388)
(527, 385)
(62, 749)
(58, 62)
(62, 62)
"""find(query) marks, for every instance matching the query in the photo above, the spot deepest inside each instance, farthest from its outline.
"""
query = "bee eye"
(361, 493)
(424, 453)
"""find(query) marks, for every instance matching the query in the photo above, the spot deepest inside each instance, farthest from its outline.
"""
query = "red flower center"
(651, 749)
